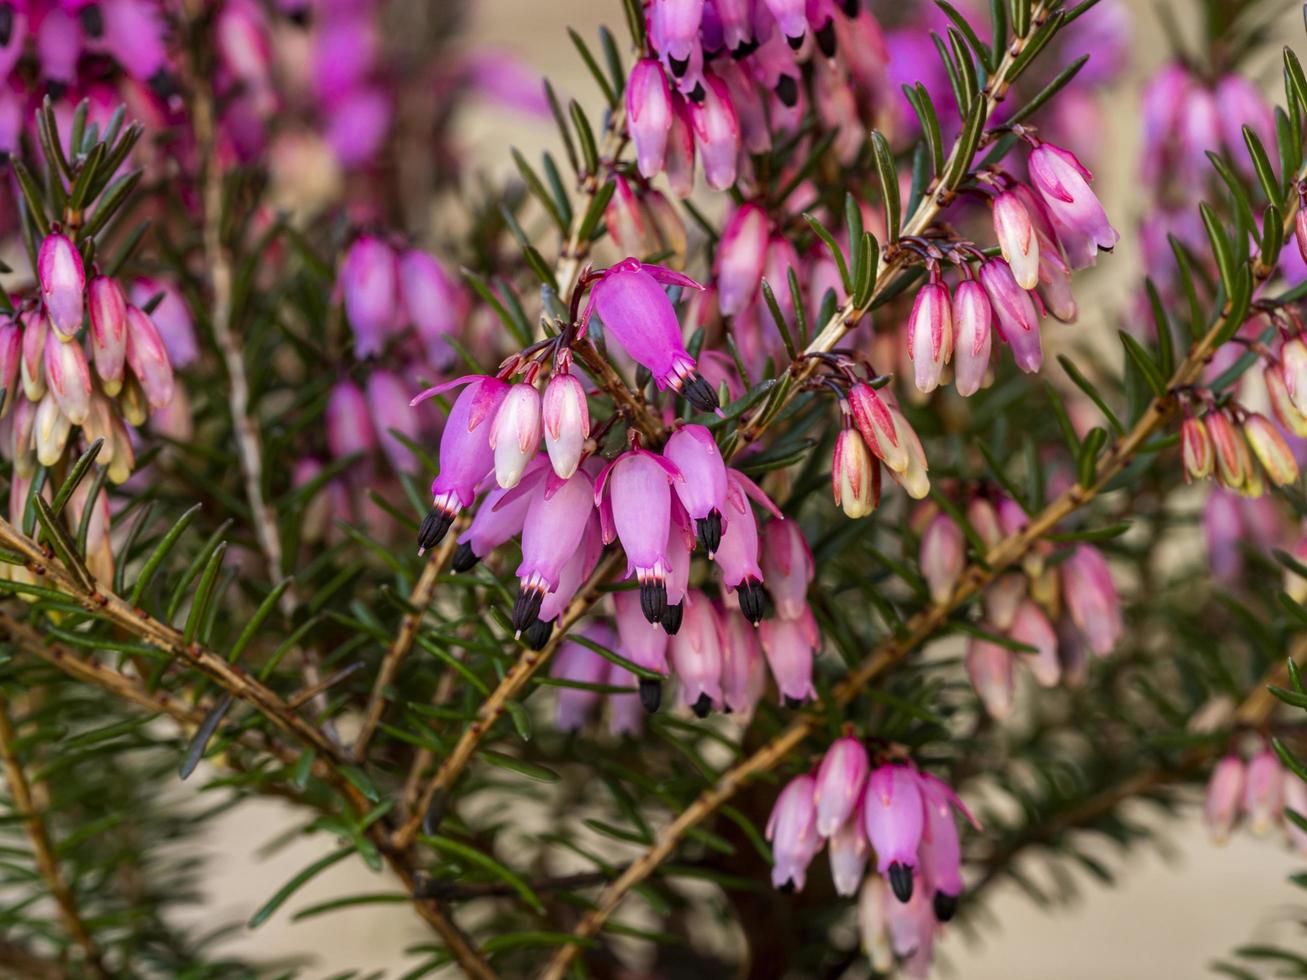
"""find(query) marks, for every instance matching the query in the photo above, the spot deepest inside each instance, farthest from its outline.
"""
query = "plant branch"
(43, 849)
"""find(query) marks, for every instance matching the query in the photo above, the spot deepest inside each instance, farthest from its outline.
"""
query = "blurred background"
(1171, 911)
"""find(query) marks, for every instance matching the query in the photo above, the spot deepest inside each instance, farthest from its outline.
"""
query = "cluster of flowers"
(1258, 791)
(899, 814)
(1225, 442)
(1023, 606)
(724, 76)
(873, 426)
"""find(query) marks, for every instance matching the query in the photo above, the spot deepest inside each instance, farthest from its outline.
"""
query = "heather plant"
(750, 477)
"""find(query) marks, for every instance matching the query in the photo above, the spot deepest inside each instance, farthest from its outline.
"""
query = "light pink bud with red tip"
(1031, 627)
(743, 674)
(930, 334)
(69, 378)
(11, 356)
(629, 298)
(566, 423)
(1076, 212)
(171, 315)
(787, 567)
(855, 478)
(1017, 321)
(741, 259)
(1230, 449)
(790, 645)
(1092, 599)
(148, 358)
(36, 329)
(515, 433)
(1224, 796)
(792, 830)
(702, 492)
(716, 133)
(697, 655)
(1271, 450)
(894, 816)
(641, 503)
(578, 663)
(369, 281)
(849, 850)
(59, 267)
(108, 307)
(1195, 449)
(990, 668)
(1016, 238)
(387, 396)
(649, 114)
(841, 778)
(349, 422)
(972, 337)
(434, 303)
(1263, 792)
(942, 556)
(875, 421)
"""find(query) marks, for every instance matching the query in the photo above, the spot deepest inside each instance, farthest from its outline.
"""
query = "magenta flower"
(841, 778)
(133, 32)
(697, 655)
(387, 396)
(148, 358)
(737, 552)
(894, 814)
(943, 553)
(625, 714)
(1224, 796)
(990, 668)
(792, 830)
(790, 645)
(369, 282)
(1018, 322)
(787, 567)
(1016, 238)
(649, 114)
(640, 502)
(736, 24)
(743, 673)
(575, 572)
(497, 521)
(63, 280)
(641, 644)
(791, 18)
(108, 309)
(578, 663)
(566, 423)
(171, 315)
(434, 303)
(702, 491)
(741, 258)
(1092, 599)
(349, 421)
(555, 522)
(972, 337)
(849, 850)
(680, 543)
(941, 853)
(466, 457)
(636, 312)
(930, 334)
(716, 133)
(1063, 182)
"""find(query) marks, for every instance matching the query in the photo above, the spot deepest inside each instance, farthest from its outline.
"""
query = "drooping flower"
(930, 334)
(894, 815)
(737, 552)
(1016, 238)
(787, 567)
(990, 668)
(1063, 183)
(972, 336)
(640, 503)
(649, 114)
(556, 520)
(849, 850)
(1017, 321)
(369, 282)
(841, 778)
(741, 258)
(1263, 794)
(702, 491)
(855, 479)
(790, 645)
(566, 423)
(697, 655)
(942, 556)
(108, 308)
(1224, 796)
(792, 830)
(515, 433)
(1092, 599)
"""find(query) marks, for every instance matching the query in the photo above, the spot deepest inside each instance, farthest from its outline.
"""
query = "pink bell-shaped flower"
(1092, 599)
(434, 303)
(849, 850)
(369, 282)
(640, 502)
(743, 674)
(1016, 238)
(930, 334)
(841, 779)
(577, 662)
(790, 645)
(894, 816)
(1031, 627)
(1224, 796)
(498, 520)
(515, 433)
(792, 830)
(1076, 212)
(942, 556)
(555, 522)
(697, 655)
(649, 114)
(716, 133)
(787, 567)
(941, 853)
(737, 552)
(148, 358)
(641, 643)
(349, 421)
(68, 378)
(1017, 321)
(387, 396)
(741, 258)
(972, 337)
(702, 491)
(990, 668)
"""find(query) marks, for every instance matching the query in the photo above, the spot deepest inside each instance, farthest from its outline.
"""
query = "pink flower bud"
(894, 816)
(1300, 232)
(702, 492)
(434, 303)
(566, 423)
(914, 479)
(1282, 405)
(1230, 449)
(787, 567)
(69, 378)
(790, 645)
(1016, 238)
(942, 556)
(1195, 449)
(990, 668)
(171, 315)
(578, 663)
(36, 328)
(984, 518)
(741, 258)
(697, 656)
(555, 524)
(50, 429)
(1031, 627)
(1224, 795)
(148, 358)
(1271, 450)
(930, 334)
(465, 453)
(1063, 183)
(972, 336)
(515, 433)
(792, 830)
(1017, 321)
(108, 332)
(1092, 599)
(59, 267)
(841, 778)
(629, 298)
(849, 850)
(716, 133)
(875, 421)
(641, 503)
(649, 114)
(387, 397)
(1003, 598)
(349, 423)
(744, 676)
(1263, 795)
(11, 355)
(369, 282)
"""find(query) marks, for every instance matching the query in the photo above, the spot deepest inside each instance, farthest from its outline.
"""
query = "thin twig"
(42, 848)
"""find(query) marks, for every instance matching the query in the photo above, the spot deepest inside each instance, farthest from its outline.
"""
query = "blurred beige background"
(1168, 917)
